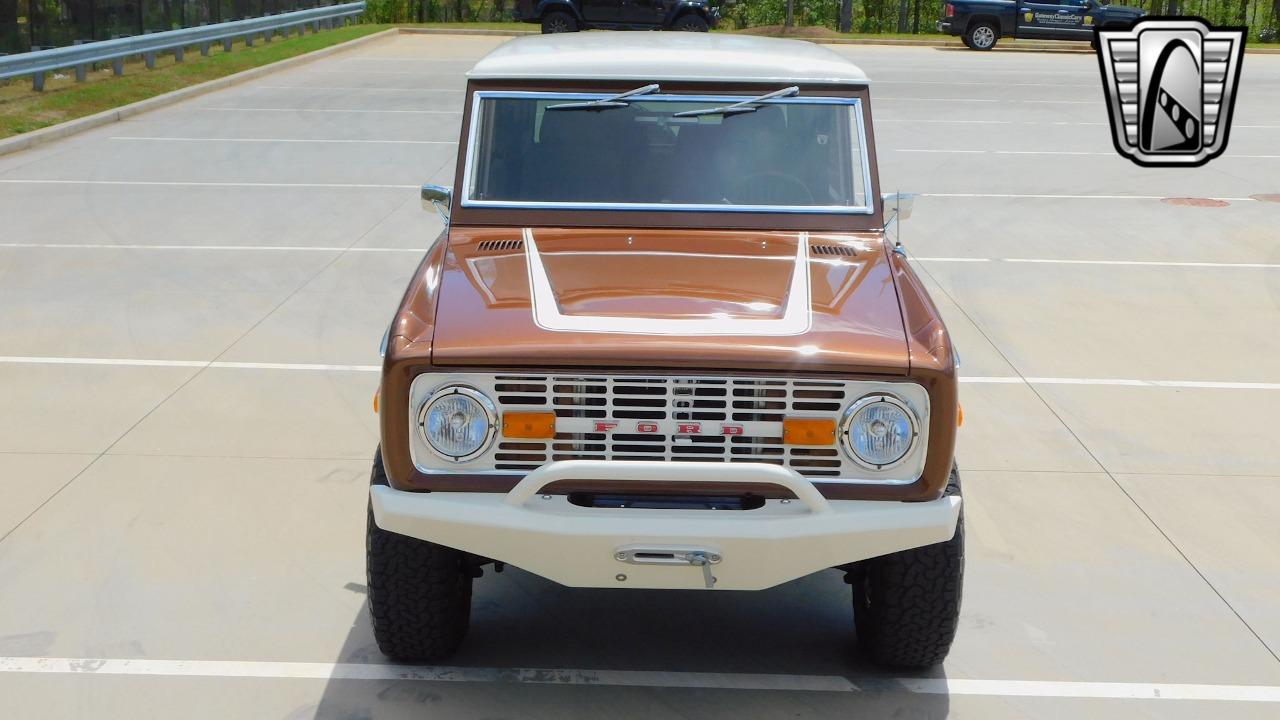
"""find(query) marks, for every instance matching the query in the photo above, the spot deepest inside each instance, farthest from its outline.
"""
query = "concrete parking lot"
(190, 308)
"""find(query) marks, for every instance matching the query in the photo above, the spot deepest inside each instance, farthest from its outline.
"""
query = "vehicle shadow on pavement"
(521, 621)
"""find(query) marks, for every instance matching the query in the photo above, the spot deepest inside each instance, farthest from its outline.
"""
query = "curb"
(31, 139)
(466, 31)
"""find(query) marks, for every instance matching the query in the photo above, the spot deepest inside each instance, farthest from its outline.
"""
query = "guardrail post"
(150, 60)
(248, 40)
(178, 54)
(117, 66)
(37, 82)
(82, 73)
(266, 36)
(204, 49)
(226, 45)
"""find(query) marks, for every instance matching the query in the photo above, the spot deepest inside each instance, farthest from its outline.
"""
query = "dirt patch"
(1195, 202)
(796, 32)
(1267, 198)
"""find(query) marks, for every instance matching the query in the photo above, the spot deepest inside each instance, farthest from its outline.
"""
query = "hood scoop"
(493, 246)
(842, 250)
(551, 301)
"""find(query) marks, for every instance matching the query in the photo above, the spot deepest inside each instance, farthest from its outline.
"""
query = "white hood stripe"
(797, 317)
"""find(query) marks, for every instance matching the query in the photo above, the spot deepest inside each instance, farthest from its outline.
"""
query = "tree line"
(861, 16)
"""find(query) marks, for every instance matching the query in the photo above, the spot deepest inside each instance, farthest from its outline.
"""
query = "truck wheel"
(558, 22)
(981, 36)
(906, 606)
(419, 592)
(690, 22)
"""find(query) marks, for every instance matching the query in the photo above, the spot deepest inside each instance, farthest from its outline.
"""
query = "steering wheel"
(772, 187)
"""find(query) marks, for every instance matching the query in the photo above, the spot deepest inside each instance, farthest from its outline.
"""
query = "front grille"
(646, 416)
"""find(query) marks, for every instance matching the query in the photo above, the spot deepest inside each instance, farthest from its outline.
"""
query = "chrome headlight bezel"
(846, 423)
(486, 405)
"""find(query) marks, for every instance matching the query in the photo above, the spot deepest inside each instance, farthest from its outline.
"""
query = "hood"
(668, 298)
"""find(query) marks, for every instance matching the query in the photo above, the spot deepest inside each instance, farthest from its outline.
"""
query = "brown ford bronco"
(664, 342)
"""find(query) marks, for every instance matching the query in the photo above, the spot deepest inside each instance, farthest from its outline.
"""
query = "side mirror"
(898, 203)
(437, 197)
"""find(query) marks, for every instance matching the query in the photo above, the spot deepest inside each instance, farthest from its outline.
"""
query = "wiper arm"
(745, 106)
(614, 101)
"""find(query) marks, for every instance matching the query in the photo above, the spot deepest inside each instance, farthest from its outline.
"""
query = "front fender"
(546, 6)
(679, 8)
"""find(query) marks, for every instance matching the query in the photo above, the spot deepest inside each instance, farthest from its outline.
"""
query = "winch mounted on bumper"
(665, 549)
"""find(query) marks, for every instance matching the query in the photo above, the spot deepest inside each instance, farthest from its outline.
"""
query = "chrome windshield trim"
(854, 104)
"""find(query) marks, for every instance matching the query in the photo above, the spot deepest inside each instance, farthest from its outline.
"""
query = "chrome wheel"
(983, 37)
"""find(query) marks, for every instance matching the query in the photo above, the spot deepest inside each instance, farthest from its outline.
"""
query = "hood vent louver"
(500, 245)
(843, 250)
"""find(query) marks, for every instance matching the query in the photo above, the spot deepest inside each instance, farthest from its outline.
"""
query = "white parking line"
(350, 89)
(1046, 152)
(990, 100)
(217, 365)
(283, 140)
(1120, 382)
(233, 248)
(1004, 152)
(310, 367)
(190, 183)
(339, 248)
(1039, 196)
(878, 81)
(1140, 263)
(331, 110)
(1163, 692)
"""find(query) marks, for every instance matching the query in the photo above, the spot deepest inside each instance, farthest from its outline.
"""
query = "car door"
(1058, 20)
(601, 11)
(643, 12)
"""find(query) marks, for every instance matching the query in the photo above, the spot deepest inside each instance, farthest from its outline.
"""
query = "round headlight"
(457, 422)
(879, 431)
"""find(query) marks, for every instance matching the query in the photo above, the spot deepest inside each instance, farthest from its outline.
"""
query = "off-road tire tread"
(915, 601)
(419, 592)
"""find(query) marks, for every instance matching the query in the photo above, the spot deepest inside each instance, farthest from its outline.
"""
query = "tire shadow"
(522, 621)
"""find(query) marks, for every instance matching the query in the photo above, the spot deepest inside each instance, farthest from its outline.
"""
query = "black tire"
(419, 592)
(982, 35)
(906, 606)
(965, 39)
(690, 22)
(559, 22)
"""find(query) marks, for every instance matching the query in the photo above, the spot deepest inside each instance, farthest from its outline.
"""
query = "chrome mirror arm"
(438, 198)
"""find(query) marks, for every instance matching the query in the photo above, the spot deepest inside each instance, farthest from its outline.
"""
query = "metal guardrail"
(36, 64)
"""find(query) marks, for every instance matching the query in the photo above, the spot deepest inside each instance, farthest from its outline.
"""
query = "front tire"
(558, 22)
(982, 36)
(906, 605)
(419, 592)
(690, 23)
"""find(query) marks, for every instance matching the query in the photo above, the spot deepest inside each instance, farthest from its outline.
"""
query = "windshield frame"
(726, 97)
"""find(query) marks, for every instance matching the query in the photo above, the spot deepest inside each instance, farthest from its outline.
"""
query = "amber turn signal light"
(529, 425)
(809, 432)
(377, 395)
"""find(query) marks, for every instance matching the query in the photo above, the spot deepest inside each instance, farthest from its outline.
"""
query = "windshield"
(791, 154)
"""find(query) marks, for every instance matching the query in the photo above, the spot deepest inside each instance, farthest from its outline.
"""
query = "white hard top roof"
(670, 56)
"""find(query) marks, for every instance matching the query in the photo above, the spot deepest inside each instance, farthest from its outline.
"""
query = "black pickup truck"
(980, 23)
(557, 16)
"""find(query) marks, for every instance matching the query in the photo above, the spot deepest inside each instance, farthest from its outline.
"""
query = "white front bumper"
(579, 547)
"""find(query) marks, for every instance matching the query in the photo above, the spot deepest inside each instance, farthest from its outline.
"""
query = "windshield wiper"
(614, 101)
(745, 106)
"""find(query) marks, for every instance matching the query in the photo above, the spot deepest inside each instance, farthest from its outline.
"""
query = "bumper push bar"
(667, 549)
